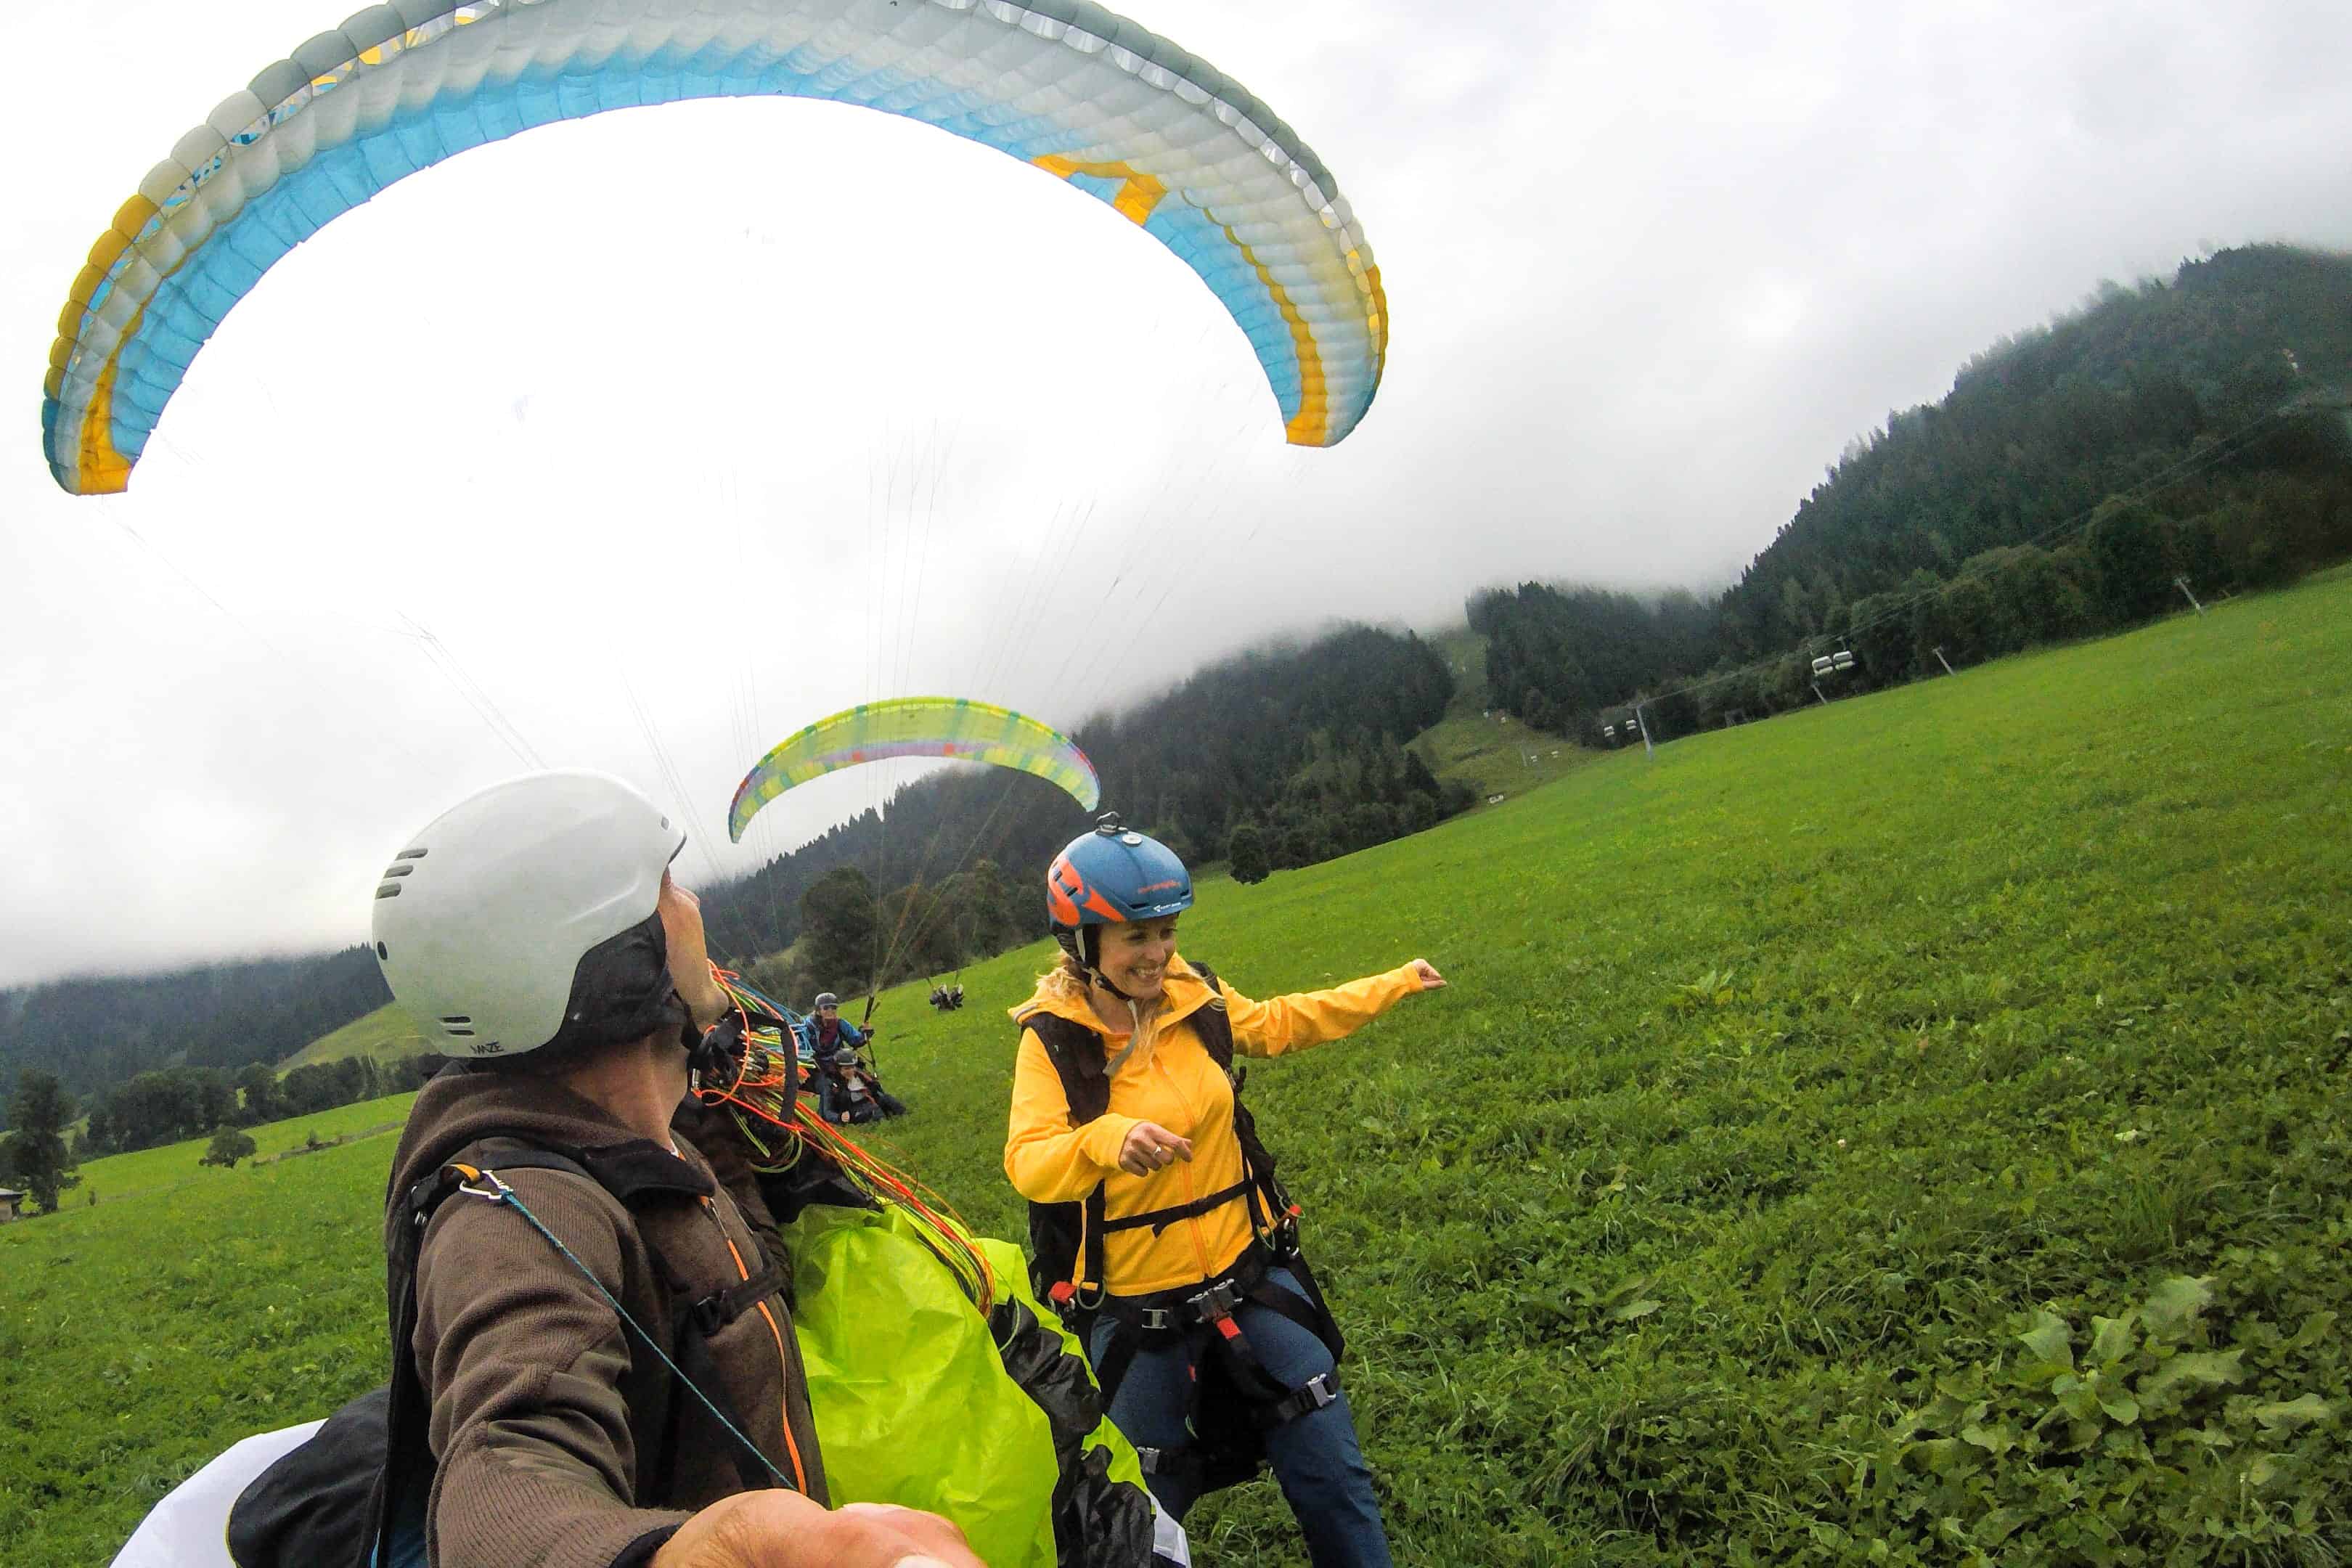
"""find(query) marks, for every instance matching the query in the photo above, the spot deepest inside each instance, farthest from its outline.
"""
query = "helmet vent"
(398, 870)
(389, 890)
(457, 1018)
(460, 1034)
(410, 855)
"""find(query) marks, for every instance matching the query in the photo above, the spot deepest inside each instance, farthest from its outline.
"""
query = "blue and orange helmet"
(1112, 876)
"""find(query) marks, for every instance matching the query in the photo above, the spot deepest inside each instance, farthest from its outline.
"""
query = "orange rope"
(766, 1090)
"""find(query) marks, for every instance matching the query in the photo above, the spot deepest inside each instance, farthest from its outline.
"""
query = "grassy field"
(385, 1035)
(147, 1171)
(1491, 752)
(1908, 1131)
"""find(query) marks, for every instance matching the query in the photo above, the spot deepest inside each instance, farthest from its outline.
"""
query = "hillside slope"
(387, 1035)
(1487, 750)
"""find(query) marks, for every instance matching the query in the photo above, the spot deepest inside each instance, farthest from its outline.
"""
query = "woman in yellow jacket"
(1154, 1215)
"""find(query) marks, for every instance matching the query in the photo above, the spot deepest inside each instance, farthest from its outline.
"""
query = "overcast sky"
(638, 442)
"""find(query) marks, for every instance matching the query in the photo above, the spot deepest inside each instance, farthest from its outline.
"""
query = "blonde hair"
(1066, 982)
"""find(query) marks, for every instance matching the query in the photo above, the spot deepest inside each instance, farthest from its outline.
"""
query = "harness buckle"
(1155, 1320)
(1320, 1392)
(1217, 1302)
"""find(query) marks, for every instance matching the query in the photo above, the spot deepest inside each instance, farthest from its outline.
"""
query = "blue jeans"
(1316, 1458)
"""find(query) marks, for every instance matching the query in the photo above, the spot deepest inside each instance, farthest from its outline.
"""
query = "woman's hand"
(1427, 974)
(779, 1529)
(1150, 1147)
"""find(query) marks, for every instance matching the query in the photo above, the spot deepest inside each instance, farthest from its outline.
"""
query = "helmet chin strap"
(1089, 956)
(1090, 949)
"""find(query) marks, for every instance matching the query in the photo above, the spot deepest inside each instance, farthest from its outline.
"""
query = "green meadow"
(146, 1171)
(385, 1035)
(1907, 1132)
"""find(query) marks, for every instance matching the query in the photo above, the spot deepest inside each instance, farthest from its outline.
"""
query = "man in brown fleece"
(534, 928)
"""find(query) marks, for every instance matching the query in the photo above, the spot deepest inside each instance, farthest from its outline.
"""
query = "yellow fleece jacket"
(1176, 1084)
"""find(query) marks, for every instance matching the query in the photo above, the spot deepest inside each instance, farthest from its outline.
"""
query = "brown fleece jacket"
(544, 1409)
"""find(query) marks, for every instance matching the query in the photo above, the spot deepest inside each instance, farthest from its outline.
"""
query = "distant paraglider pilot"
(947, 998)
(848, 1090)
(831, 1030)
(1158, 1226)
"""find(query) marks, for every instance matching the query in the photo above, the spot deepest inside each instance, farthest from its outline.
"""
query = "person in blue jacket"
(833, 1042)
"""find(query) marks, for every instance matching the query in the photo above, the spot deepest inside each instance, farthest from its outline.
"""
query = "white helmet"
(482, 921)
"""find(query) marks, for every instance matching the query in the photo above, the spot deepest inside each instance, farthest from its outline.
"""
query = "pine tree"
(39, 1112)
(1246, 851)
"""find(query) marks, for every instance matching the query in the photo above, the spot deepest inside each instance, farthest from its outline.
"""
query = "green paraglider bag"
(1006, 1428)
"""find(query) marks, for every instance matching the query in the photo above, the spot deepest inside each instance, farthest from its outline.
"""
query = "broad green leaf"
(1630, 1286)
(2050, 1340)
(2173, 1305)
(1999, 1525)
(1996, 1440)
(2315, 1328)
(1633, 1310)
(2205, 1369)
(1944, 1456)
(2078, 1399)
(2293, 1414)
(2111, 1337)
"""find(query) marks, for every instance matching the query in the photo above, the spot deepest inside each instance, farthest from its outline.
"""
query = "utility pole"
(1642, 724)
(1945, 662)
(1817, 691)
(2182, 584)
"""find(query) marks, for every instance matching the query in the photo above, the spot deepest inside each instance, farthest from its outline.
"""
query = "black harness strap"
(1160, 1219)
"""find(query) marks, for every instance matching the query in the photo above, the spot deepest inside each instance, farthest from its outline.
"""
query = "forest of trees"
(1304, 742)
(96, 1030)
(1307, 739)
(2195, 429)
(168, 1104)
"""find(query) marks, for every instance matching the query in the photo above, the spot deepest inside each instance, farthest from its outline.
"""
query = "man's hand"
(778, 1528)
(1427, 973)
(1150, 1147)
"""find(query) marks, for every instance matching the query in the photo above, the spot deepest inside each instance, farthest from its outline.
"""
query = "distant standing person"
(833, 1043)
(1158, 1226)
(831, 1030)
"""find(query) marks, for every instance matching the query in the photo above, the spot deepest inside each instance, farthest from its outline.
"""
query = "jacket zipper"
(783, 1361)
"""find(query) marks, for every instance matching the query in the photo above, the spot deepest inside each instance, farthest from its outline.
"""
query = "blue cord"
(506, 1194)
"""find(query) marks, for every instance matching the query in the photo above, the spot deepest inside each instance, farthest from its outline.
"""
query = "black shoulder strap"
(1212, 1023)
(1077, 1053)
(1059, 1232)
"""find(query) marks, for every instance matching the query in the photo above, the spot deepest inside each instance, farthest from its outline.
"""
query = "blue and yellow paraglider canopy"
(1089, 97)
